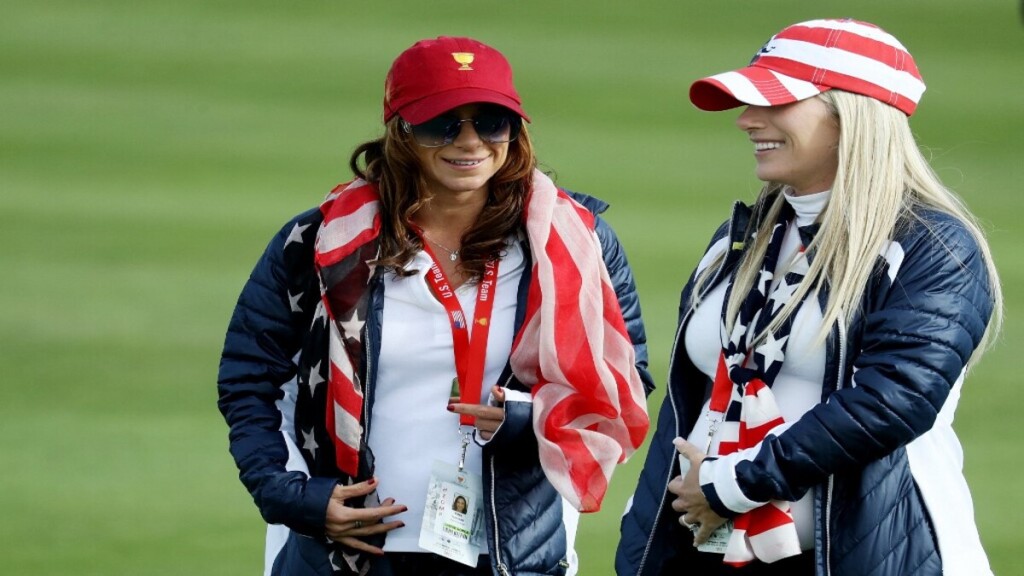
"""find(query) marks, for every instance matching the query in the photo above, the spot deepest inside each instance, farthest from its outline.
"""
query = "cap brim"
(753, 85)
(426, 108)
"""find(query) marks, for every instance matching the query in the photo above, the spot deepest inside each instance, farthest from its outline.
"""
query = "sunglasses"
(492, 125)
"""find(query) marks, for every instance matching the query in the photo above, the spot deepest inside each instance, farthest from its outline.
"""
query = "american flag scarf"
(766, 533)
(573, 350)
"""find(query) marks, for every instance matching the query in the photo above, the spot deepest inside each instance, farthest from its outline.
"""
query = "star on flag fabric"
(766, 533)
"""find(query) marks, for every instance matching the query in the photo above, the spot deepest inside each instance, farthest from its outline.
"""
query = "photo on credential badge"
(459, 504)
(455, 516)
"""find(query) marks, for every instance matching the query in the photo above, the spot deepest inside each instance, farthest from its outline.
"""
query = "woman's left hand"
(697, 514)
(488, 418)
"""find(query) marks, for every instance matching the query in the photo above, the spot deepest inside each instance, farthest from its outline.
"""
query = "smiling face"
(794, 144)
(464, 166)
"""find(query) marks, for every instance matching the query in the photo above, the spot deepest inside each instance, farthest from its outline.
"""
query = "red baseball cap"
(808, 58)
(434, 76)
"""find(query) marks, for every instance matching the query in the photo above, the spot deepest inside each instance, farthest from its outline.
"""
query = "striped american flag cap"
(808, 58)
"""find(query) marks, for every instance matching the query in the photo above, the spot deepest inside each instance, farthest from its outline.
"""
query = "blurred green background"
(148, 151)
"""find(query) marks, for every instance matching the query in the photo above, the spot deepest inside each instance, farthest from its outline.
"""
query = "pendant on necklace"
(454, 256)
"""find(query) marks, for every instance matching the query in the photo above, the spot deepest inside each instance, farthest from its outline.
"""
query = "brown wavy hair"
(390, 162)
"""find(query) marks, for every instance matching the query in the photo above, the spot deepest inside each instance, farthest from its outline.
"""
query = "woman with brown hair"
(824, 337)
(450, 291)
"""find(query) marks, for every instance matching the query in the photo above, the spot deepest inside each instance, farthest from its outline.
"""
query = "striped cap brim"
(750, 85)
(808, 58)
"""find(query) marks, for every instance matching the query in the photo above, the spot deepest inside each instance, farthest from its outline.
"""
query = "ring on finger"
(359, 523)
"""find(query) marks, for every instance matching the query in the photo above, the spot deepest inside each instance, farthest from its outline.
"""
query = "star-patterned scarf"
(766, 533)
(329, 364)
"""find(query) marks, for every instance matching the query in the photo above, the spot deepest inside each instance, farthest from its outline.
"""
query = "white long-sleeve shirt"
(410, 426)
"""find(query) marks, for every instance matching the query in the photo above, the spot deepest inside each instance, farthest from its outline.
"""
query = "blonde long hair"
(882, 180)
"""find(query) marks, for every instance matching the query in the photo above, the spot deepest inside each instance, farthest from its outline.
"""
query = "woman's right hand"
(696, 513)
(347, 525)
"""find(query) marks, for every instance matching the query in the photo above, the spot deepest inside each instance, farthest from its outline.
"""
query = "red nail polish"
(371, 481)
(451, 408)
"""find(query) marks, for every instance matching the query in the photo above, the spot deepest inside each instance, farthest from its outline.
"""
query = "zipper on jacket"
(368, 375)
(841, 336)
(679, 332)
(370, 338)
(671, 467)
(502, 569)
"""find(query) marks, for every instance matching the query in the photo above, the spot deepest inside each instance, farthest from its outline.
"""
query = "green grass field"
(149, 150)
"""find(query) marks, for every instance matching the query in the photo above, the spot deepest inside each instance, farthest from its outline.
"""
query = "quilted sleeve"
(922, 324)
(263, 338)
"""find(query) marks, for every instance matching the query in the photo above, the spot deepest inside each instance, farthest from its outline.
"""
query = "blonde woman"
(823, 338)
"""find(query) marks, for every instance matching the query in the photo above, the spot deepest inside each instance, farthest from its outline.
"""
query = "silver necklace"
(453, 255)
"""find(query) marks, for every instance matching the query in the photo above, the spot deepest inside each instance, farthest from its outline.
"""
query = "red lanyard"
(470, 353)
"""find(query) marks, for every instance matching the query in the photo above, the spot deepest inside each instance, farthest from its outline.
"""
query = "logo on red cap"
(464, 58)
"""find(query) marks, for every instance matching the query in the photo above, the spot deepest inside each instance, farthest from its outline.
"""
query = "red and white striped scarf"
(766, 533)
(744, 377)
(589, 406)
